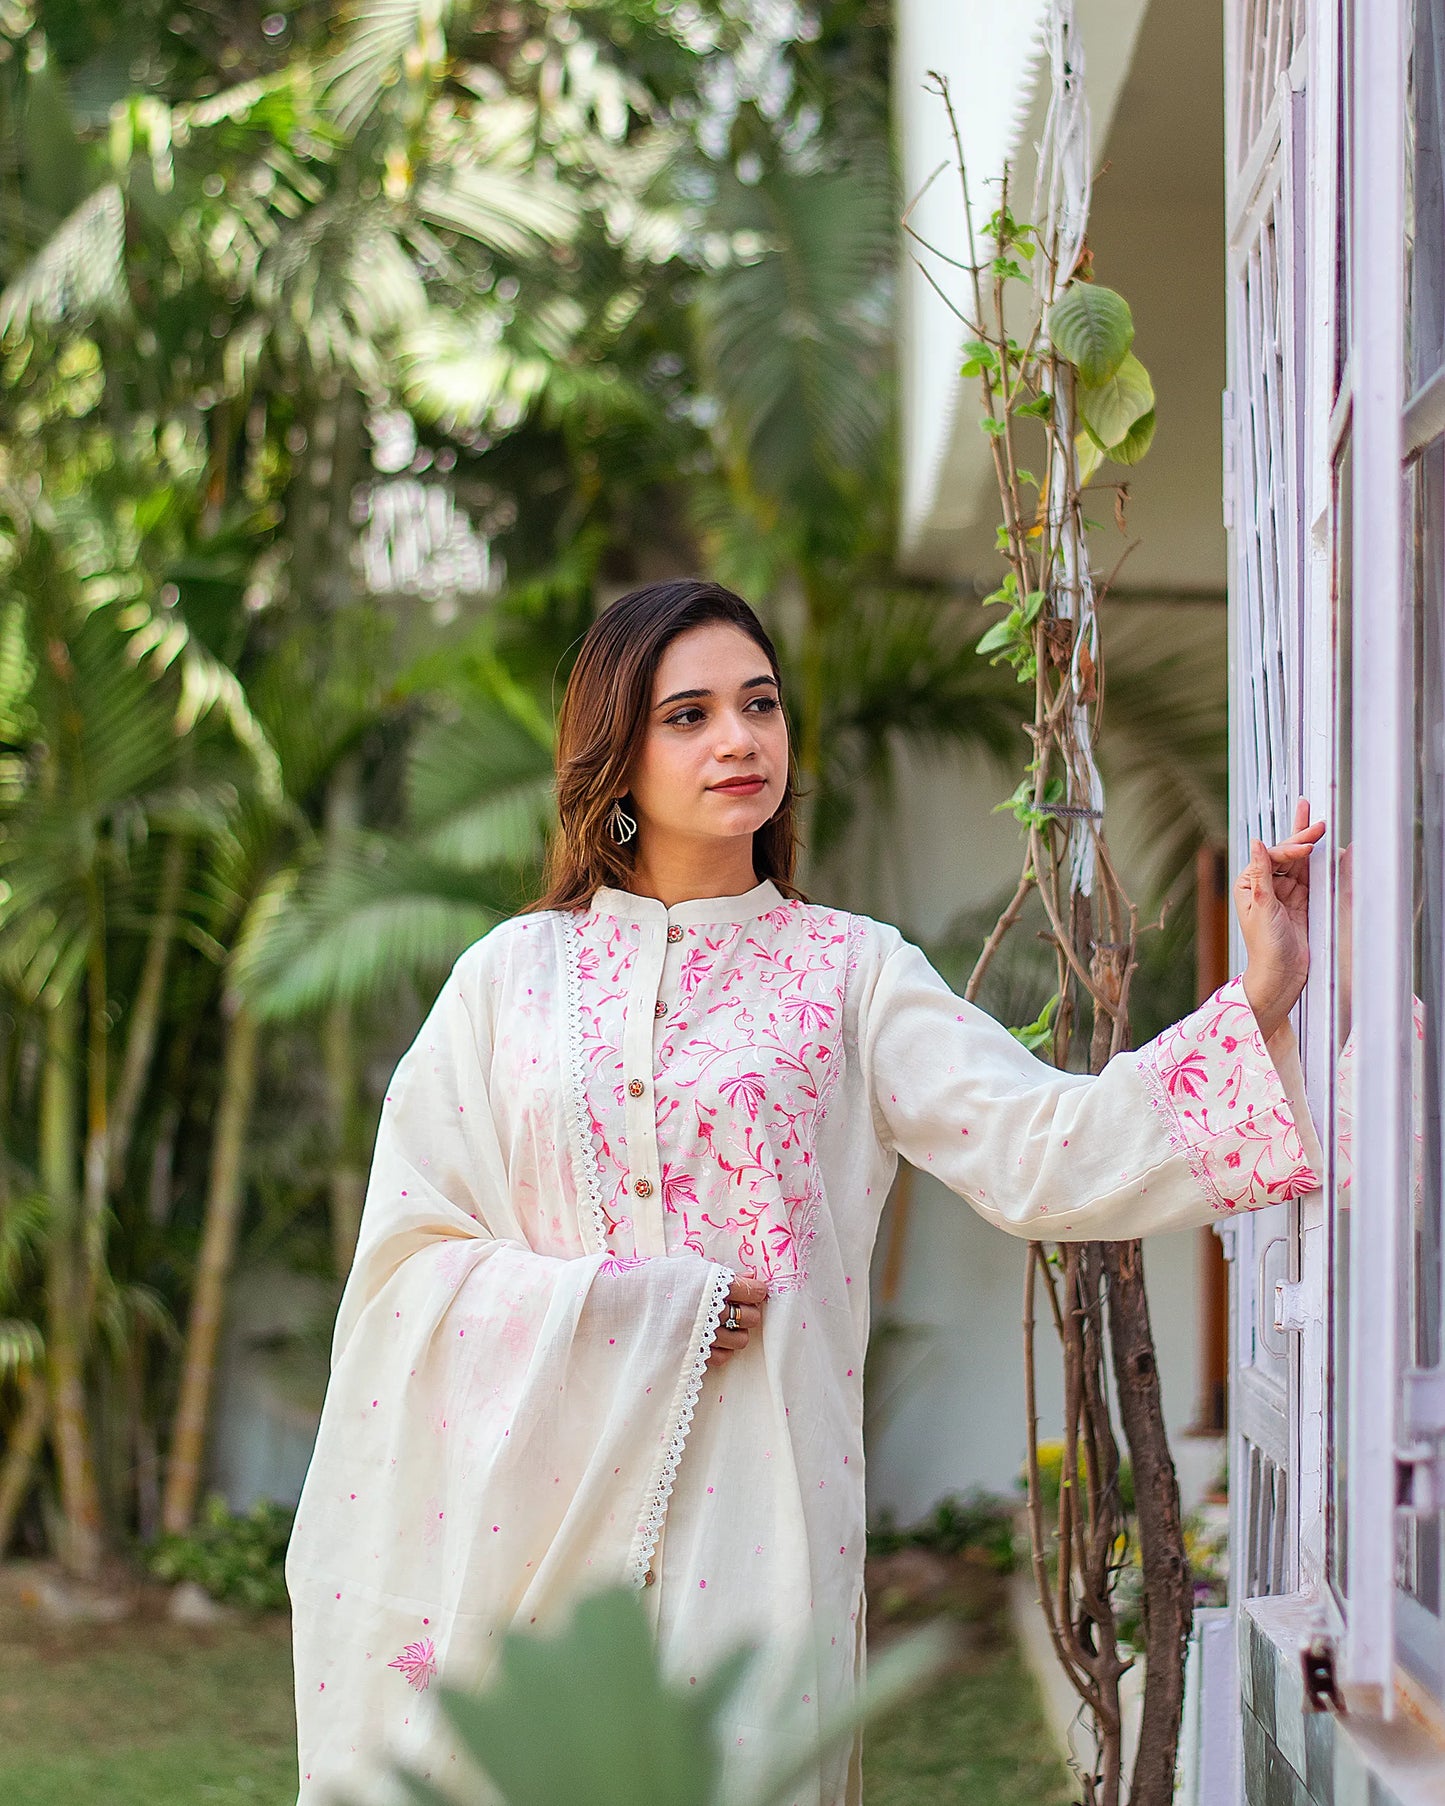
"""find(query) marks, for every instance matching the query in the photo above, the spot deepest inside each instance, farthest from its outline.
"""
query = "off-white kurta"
(607, 1115)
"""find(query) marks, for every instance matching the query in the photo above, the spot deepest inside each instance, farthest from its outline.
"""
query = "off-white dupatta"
(501, 1426)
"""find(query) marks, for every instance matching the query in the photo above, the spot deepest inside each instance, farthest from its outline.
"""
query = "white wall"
(1157, 232)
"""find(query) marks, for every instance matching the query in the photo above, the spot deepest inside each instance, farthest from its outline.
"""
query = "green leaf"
(1040, 1032)
(1093, 328)
(1136, 442)
(587, 1715)
(1000, 634)
(991, 426)
(1109, 409)
(1038, 409)
(1089, 453)
(979, 357)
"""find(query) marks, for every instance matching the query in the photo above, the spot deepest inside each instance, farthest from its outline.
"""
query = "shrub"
(233, 1556)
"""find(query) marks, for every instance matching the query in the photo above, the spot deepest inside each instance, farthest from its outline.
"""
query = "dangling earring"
(620, 825)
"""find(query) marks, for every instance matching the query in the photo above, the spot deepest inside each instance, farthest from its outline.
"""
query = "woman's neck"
(678, 874)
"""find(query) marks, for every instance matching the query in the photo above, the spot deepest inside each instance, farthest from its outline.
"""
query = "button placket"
(639, 1109)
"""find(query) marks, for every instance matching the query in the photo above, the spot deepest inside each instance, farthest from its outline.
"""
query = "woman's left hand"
(1272, 896)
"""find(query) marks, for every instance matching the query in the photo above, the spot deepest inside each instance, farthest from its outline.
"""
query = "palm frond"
(456, 371)
(24, 1223)
(480, 786)
(22, 1346)
(376, 915)
(1165, 742)
(382, 40)
(510, 211)
(77, 274)
(794, 330)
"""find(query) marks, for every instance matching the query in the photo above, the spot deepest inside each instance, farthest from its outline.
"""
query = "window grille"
(1269, 33)
(1263, 436)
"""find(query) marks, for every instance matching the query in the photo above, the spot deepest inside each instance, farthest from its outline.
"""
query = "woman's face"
(714, 760)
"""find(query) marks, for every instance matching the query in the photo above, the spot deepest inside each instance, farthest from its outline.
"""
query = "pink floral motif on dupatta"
(1223, 1106)
(418, 1662)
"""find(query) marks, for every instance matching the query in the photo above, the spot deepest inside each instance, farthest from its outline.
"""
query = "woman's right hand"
(747, 1295)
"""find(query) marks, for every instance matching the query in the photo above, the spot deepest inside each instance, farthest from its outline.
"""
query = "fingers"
(746, 1297)
(1299, 845)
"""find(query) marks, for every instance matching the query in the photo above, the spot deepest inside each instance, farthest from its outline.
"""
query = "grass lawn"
(148, 1713)
(145, 1713)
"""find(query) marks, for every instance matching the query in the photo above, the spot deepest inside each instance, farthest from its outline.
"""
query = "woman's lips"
(741, 786)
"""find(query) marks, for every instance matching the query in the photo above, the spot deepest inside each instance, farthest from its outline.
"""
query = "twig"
(1000, 929)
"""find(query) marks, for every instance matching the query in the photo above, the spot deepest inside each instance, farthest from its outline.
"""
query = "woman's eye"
(764, 704)
(684, 718)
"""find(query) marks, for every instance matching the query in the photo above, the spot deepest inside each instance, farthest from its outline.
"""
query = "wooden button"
(649, 1578)
(643, 1187)
(659, 1008)
(635, 1087)
(674, 933)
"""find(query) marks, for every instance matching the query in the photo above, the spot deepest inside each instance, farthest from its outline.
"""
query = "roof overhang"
(992, 54)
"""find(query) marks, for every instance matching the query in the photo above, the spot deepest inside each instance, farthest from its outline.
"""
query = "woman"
(641, 1143)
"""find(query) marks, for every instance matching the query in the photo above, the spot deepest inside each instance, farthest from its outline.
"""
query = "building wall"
(949, 1411)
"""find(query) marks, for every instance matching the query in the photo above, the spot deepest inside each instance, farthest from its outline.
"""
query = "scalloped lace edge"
(679, 1421)
(586, 1171)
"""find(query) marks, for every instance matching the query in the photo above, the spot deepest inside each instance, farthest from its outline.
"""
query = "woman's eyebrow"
(750, 683)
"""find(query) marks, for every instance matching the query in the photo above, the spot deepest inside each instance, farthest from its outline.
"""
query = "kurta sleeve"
(1203, 1120)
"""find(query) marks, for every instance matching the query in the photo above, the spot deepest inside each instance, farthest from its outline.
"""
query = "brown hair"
(603, 721)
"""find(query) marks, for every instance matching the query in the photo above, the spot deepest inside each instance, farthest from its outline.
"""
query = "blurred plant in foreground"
(587, 1718)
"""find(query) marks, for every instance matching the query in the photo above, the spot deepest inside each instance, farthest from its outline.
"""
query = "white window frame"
(1383, 768)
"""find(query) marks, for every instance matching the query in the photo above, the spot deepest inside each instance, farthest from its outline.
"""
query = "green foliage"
(234, 1556)
(1112, 407)
(978, 1521)
(1021, 804)
(1051, 1472)
(586, 1714)
(1011, 640)
(1039, 1033)
(1091, 326)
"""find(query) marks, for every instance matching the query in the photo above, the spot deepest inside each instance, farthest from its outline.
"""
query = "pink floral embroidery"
(747, 1051)
(418, 1662)
(1223, 1106)
(619, 1263)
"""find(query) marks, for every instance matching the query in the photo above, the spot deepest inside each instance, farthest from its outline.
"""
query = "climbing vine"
(1067, 407)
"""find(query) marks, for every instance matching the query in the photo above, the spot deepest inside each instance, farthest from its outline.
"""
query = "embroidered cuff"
(1224, 1107)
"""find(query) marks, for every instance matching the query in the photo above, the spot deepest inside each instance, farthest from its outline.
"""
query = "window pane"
(1420, 1551)
(1425, 195)
(1345, 50)
(1341, 1100)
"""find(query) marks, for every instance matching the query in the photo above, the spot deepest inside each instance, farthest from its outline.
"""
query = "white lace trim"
(586, 1169)
(679, 1421)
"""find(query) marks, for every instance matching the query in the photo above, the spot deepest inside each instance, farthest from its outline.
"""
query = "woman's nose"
(735, 737)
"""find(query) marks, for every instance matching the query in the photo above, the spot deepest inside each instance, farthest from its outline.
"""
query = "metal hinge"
(1420, 1464)
(1228, 1238)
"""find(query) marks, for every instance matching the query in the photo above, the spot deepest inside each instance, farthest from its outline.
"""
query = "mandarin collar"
(628, 906)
